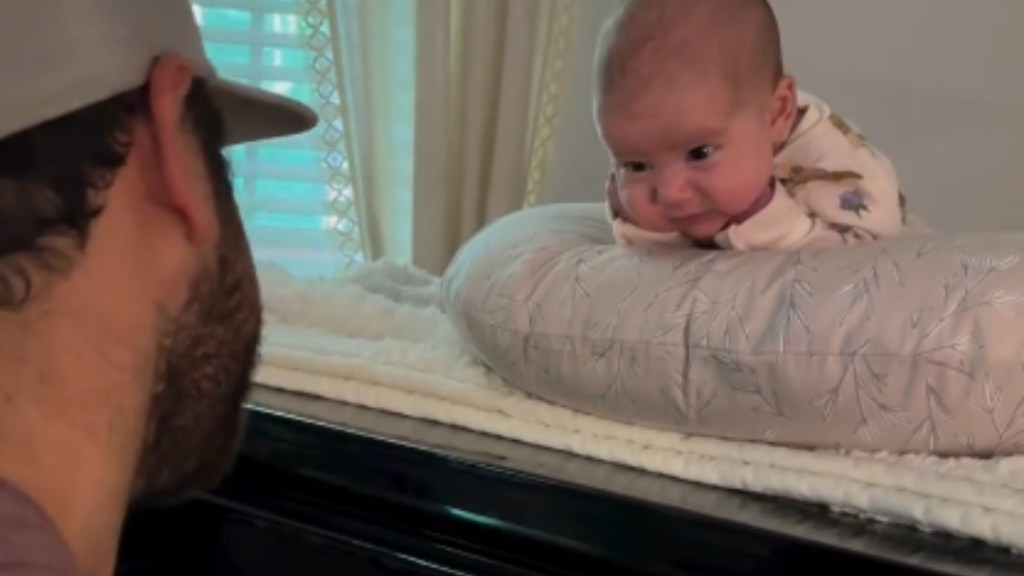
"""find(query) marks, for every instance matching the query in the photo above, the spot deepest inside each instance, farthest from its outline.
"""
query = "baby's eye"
(635, 167)
(700, 153)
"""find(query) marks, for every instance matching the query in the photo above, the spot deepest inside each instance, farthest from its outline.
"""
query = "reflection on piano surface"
(323, 488)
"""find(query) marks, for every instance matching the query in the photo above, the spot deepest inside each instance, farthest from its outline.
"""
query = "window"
(295, 200)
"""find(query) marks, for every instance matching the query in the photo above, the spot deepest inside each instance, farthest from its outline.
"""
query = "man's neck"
(68, 434)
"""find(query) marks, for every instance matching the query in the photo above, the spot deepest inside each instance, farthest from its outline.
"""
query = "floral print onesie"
(832, 188)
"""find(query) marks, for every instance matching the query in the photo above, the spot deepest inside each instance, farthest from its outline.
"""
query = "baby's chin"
(701, 227)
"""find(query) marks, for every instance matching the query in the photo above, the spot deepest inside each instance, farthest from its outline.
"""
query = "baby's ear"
(783, 109)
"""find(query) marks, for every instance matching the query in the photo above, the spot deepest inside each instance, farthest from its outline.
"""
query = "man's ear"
(783, 109)
(170, 81)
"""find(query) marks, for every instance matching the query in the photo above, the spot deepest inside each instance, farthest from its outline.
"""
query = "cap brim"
(251, 114)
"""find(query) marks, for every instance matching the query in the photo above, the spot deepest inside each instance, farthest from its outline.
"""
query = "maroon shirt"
(30, 544)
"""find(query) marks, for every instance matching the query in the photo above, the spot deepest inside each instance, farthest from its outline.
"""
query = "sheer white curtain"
(450, 100)
(477, 98)
(436, 117)
(373, 46)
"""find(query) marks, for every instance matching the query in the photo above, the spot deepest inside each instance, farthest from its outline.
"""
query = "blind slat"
(268, 39)
(281, 185)
(293, 6)
(297, 174)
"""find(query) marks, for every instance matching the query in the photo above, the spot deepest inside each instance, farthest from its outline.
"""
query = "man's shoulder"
(30, 544)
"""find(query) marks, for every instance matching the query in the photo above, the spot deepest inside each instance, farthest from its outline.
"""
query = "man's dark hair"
(53, 177)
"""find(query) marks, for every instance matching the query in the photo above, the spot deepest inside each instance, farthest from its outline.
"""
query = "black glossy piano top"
(470, 491)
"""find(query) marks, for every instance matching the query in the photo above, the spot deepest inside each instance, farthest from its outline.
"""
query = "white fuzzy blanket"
(376, 338)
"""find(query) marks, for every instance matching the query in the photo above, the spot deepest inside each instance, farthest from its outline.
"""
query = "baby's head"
(692, 104)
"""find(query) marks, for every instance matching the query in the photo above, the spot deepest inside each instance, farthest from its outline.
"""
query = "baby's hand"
(618, 210)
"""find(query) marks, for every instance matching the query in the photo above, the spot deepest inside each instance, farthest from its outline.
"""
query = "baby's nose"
(674, 189)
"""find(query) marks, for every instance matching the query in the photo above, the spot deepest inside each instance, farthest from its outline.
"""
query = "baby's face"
(687, 158)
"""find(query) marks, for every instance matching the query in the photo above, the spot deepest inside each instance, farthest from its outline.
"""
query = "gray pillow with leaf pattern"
(909, 344)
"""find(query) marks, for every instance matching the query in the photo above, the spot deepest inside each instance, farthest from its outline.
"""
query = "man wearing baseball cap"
(129, 308)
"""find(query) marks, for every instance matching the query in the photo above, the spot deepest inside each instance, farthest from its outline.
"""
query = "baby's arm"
(824, 208)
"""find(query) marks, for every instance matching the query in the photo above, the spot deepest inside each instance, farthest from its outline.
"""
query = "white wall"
(939, 84)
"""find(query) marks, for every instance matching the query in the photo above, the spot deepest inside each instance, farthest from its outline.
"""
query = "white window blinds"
(289, 208)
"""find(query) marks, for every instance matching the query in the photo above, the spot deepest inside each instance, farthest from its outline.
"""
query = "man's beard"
(205, 359)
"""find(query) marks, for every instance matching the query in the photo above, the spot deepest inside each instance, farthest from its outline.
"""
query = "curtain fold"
(443, 108)
(475, 88)
(372, 46)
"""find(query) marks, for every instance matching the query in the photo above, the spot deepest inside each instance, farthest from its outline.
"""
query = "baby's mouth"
(698, 225)
(696, 218)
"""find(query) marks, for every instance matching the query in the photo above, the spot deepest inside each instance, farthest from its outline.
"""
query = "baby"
(713, 144)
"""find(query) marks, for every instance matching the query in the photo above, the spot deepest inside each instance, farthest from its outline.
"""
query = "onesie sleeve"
(849, 199)
(825, 213)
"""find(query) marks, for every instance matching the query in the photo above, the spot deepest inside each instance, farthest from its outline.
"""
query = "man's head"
(692, 103)
(123, 261)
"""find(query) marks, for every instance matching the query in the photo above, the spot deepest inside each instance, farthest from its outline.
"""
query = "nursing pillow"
(914, 344)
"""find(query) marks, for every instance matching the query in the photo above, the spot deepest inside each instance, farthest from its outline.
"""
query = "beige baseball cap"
(63, 55)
